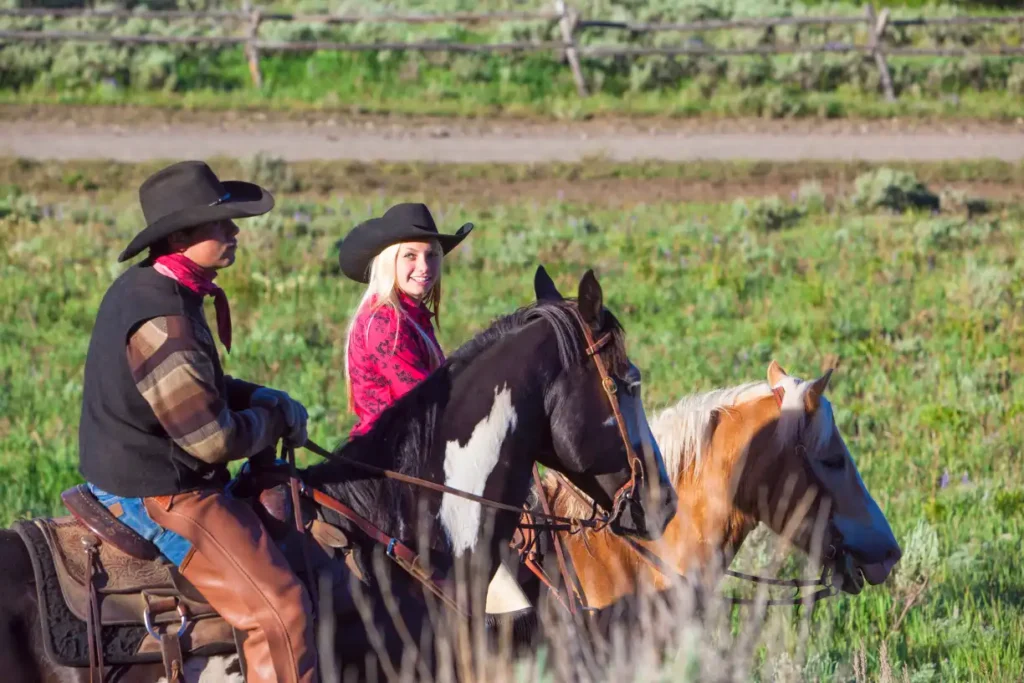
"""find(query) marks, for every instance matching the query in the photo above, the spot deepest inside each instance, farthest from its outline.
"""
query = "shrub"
(811, 197)
(887, 188)
(921, 557)
(271, 172)
(768, 214)
(948, 234)
(17, 206)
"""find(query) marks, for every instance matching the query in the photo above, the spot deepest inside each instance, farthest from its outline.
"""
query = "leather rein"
(406, 557)
(824, 582)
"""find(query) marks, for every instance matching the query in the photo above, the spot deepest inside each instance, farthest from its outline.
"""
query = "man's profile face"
(210, 246)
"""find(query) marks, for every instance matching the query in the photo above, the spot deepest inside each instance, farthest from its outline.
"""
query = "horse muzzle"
(867, 551)
(855, 571)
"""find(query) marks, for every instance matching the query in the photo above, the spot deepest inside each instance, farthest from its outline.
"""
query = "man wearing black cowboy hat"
(160, 420)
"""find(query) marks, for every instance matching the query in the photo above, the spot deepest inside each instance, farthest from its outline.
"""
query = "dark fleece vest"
(123, 449)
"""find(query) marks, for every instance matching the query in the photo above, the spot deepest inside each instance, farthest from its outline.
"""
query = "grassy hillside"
(921, 308)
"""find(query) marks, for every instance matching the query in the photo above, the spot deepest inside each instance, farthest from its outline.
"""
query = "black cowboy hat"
(401, 223)
(189, 194)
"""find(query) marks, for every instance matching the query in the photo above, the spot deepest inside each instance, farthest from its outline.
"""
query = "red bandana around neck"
(199, 280)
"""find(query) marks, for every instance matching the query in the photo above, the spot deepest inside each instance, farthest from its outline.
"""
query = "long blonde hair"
(381, 291)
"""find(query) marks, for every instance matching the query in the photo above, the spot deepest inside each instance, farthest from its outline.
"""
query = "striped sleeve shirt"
(177, 378)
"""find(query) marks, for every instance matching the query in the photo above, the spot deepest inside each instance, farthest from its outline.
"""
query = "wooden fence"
(248, 20)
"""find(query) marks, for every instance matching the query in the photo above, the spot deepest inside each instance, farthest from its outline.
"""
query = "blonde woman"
(390, 346)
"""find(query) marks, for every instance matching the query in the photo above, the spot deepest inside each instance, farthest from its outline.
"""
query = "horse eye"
(629, 384)
(834, 463)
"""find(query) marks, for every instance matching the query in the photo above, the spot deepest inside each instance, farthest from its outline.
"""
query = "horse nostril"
(668, 496)
(669, 503)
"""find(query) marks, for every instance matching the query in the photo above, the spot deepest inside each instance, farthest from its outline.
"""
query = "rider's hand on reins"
(294, 413)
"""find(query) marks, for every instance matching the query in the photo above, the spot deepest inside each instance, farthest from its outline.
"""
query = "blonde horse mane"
(683, 431)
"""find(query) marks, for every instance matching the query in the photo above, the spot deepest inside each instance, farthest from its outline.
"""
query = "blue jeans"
(135, 517)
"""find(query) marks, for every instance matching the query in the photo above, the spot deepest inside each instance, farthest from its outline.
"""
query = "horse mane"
(564, 320)
(683, 432)
(403, 443)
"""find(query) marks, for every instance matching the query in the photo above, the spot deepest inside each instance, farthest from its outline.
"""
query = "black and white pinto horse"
(525, 390)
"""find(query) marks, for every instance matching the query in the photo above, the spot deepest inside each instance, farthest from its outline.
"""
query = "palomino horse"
(758, 452)
(550, 383)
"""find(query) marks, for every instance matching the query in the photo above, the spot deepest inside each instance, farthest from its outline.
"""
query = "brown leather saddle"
(101, 583)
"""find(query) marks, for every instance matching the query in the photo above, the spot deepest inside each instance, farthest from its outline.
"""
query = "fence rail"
(571, 25)
(276, 45)
(722, 24)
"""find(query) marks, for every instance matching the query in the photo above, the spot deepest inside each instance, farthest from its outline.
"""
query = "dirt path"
(133, 135)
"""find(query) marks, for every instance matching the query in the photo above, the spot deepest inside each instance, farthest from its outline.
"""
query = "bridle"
(824, 583)
(405, 556)
(628, 492)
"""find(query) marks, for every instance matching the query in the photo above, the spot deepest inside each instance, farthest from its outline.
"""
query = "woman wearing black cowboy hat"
(390, 345)
(160, 420)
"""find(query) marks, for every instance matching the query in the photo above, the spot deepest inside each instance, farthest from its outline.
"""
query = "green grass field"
(923, 311)
(337, 91)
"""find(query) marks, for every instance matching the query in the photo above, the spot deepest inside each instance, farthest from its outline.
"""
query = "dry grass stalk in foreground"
(684, 633)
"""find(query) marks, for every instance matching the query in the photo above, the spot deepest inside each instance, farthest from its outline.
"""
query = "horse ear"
(590, 299)
(776, 374)
(812, 399)
(544, 286)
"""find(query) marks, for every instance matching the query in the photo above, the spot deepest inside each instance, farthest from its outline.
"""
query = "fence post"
(252, 54)
(567, 23)
(876, 30)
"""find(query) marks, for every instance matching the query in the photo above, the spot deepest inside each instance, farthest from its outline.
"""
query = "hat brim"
(358, 249)
(247, 200)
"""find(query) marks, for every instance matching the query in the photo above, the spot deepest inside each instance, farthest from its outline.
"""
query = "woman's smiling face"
(417, 268)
